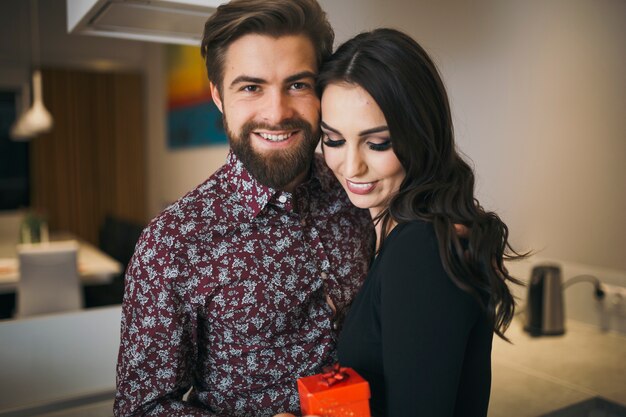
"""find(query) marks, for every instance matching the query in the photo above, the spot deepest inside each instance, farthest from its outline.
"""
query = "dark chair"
(117, 238)
(7, 305)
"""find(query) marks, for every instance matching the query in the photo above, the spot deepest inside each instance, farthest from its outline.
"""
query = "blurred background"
(538, 93)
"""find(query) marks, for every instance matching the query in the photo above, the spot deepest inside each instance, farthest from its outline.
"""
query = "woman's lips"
(361, 188)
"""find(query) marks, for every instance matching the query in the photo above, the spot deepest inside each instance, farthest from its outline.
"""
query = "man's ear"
(215, 95)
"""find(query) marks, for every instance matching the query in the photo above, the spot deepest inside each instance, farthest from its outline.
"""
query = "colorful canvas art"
(192, 117)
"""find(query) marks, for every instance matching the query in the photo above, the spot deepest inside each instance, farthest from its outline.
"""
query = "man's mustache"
(287, 124)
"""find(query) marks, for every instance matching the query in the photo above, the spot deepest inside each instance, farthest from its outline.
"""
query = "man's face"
(271, 111)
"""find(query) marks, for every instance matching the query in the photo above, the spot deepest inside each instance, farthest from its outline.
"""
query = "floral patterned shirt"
(226, 294)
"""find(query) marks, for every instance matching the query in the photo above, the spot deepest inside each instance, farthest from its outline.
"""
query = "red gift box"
(340, 392)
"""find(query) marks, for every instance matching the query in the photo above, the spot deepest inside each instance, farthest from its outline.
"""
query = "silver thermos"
(545, 310)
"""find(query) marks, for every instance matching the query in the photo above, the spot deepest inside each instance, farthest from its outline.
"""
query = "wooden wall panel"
(130, 168)
(93, 161)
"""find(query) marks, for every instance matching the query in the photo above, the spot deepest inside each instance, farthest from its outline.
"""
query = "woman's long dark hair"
(439, 184)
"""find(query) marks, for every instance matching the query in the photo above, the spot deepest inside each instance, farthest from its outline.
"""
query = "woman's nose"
(354, 165)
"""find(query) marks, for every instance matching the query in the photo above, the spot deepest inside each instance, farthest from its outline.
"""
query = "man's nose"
(278, 107)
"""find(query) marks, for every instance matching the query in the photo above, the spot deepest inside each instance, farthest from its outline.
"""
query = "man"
(240, 287)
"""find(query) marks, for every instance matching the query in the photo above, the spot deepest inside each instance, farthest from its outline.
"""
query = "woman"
(420, 329)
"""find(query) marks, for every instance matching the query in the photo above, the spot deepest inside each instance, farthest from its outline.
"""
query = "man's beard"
(276, 168)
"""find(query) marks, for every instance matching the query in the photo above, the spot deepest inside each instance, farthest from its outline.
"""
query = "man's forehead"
(268, 57)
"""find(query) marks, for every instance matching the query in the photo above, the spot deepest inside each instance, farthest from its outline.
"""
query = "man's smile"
(276, 137)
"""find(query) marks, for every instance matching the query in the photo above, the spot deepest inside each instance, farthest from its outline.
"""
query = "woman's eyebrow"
(325, 126)
(366, 132)
(374, 130)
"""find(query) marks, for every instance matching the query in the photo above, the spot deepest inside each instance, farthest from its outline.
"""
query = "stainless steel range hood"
(165, 21)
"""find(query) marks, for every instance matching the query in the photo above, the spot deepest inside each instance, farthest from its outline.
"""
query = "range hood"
(164, 21)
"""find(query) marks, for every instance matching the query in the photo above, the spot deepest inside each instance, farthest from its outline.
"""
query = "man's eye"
(250, 88)
(299, 86)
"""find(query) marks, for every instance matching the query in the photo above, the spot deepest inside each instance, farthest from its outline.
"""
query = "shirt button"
(282, 199)
(335, 325)
(302, 222)
(324, 275)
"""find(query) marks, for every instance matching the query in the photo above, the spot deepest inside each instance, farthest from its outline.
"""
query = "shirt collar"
(255, 196)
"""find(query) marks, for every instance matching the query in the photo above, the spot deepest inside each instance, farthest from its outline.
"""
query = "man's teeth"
(275, 138)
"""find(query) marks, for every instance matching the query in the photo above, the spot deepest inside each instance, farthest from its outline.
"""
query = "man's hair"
(274, 18)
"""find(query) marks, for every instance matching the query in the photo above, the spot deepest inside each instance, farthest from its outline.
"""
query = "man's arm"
(158, 337)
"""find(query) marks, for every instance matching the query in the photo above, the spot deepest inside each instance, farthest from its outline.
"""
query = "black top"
(423, 344)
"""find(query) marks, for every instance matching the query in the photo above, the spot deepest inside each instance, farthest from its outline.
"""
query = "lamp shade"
(35, 120)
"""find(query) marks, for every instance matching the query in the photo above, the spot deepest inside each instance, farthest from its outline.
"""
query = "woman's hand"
(462, 231)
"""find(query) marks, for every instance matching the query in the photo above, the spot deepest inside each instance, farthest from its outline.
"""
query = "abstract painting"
(192, 117)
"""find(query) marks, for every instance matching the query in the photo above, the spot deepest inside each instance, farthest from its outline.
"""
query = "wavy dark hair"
(439, 185)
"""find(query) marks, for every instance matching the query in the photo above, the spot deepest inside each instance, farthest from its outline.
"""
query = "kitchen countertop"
(534, 376)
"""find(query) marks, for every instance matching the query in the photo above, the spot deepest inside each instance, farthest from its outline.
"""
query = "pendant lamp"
(37, 119)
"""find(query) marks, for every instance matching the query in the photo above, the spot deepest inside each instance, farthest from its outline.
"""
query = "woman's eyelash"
(339, 142)
(333, 143)
(380, 146)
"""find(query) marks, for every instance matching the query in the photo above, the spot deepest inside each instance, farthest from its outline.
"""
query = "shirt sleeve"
(158, 346)
(425, 324)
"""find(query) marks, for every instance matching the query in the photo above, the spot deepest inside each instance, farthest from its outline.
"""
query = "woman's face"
(357, 146)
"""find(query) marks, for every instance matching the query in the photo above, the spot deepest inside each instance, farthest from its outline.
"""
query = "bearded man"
(240, 287)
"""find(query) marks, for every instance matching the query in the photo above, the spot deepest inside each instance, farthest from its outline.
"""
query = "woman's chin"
(357, 201)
